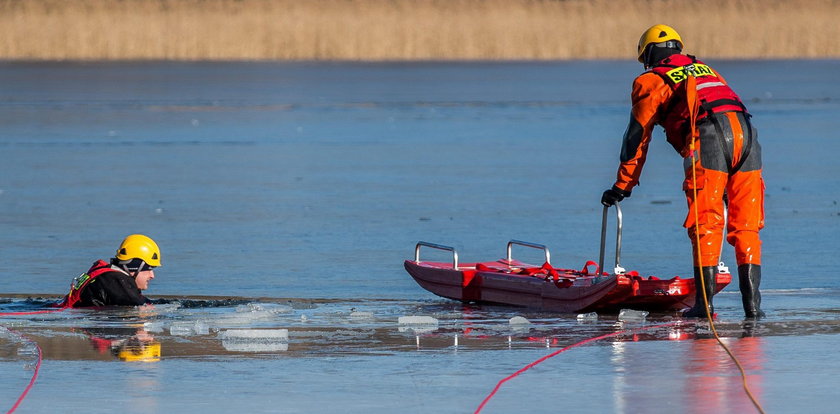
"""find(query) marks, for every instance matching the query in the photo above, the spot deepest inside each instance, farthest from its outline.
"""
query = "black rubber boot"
(709, 278)
(749, 278)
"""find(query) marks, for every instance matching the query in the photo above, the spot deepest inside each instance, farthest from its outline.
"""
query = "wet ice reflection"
(196, 328)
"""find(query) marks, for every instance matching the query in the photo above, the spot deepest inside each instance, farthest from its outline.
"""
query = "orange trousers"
(727, 167)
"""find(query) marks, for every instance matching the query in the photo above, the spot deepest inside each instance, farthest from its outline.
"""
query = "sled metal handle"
(439, 247)
(528, 244)
(618, 269)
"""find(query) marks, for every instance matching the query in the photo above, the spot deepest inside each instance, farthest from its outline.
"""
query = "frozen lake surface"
(285, 197)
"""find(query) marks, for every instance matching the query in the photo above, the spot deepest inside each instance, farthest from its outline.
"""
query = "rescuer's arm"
(650, 93)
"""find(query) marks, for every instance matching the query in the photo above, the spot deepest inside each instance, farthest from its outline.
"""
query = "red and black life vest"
(714, 95)
(81, 281)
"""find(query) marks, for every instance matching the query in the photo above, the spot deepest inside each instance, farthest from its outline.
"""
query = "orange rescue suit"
(727, 154)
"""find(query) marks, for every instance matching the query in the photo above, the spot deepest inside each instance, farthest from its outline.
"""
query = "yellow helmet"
(138, 246)
(657, 33)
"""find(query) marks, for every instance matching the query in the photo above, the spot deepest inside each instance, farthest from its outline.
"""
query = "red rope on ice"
(34, 375)
(40, 354)
(555, 353)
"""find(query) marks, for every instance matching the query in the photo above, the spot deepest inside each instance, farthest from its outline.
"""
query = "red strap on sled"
(585, 269)
(468, 276)
(545, 269)
(550, 270)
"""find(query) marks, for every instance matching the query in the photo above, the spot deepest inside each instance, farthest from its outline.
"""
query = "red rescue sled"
(511, 282)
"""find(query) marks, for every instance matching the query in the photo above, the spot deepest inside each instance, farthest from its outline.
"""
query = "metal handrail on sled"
(528, 244)
(618, 269)
(439, 247)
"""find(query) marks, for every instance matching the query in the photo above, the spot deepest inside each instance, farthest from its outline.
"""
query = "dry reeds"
(408, 29)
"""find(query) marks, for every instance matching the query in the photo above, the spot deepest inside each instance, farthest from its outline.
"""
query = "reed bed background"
(409, 29)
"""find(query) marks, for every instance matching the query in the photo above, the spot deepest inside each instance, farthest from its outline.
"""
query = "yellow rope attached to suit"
(693, 108)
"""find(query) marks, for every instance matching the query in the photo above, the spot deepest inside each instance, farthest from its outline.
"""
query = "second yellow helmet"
(138, 246)
(657, 33)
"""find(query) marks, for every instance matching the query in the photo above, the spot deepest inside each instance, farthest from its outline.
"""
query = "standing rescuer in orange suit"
(726, 160)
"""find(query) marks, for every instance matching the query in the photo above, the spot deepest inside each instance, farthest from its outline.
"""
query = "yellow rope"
(691, 88)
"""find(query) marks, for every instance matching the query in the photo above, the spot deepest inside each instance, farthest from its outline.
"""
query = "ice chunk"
(201, 328)
(587, 317)
(630, 315)
(250, 307)
(5, 333)
(255, 340)
(28, 350)
(251, 313)
(418, 328)
(301, 305)
(361, 315)
(166, 307)
(518, 320)
(417, 324)
(259, 308)
(180, 328)
(518, 324)
(245, 346)
(154, 327)
(275, 334)
(417, 320)
(187, 328)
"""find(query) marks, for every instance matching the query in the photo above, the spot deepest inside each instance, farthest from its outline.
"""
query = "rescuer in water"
(727, 160)
(121, 282)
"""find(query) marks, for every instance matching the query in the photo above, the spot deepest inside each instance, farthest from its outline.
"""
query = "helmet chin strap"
(649, 56)
(131, 273)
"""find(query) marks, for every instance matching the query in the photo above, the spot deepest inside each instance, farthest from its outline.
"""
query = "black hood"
(657, 54)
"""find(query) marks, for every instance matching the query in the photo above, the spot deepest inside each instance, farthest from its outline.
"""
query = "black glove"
(613, 195)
